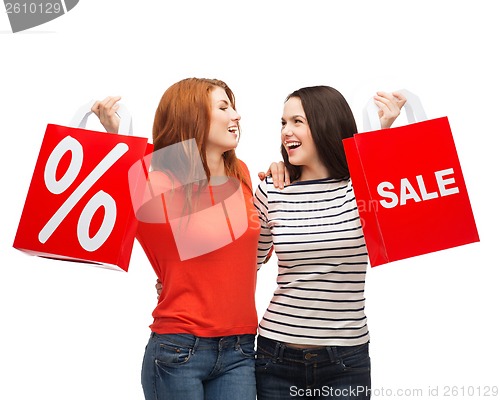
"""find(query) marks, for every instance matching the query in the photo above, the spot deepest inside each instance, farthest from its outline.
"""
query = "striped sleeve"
(261, 203)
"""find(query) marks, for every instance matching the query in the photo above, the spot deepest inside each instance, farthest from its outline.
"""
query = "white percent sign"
(100, 199)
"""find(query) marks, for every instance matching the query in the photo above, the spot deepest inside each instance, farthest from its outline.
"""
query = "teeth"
(233, 129)
(292, 144)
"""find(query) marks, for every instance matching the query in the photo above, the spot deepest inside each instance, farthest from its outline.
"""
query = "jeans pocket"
(262, 362)
(358, 360)
(171, 354)
(247, 349)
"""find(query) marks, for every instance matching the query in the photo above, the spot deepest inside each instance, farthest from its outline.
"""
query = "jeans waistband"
(197, 342)
(280, 351)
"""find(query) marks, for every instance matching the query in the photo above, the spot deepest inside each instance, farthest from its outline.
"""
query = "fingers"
(287, 175)
(275, 174)
(389, 105)
(279, 173)
(106, 112)
(108, 105)
(282, 173)
(390, 100)
(159, 288)
(386, 101)
(400, 99)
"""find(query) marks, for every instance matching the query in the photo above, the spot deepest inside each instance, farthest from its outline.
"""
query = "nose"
(286, 130)
(235, 117)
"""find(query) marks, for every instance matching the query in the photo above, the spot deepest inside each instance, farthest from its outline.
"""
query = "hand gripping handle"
(81, 116)
(413, 107)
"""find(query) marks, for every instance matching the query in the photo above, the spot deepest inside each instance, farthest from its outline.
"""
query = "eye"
(298, 121)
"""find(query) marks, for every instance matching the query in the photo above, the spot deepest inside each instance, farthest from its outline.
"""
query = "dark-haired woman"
(313, 338)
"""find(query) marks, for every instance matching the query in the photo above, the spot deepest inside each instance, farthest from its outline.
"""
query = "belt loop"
(282, 348)
(196, 343)
(333, 354)
(237, 346)
(276, 349)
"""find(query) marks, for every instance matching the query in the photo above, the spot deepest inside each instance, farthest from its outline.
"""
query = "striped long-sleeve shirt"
(322, 259)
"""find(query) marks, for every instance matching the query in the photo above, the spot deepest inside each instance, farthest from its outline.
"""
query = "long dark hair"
(330, 119)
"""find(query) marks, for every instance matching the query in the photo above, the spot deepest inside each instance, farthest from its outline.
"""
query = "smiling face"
(298, 142)
(224, 123)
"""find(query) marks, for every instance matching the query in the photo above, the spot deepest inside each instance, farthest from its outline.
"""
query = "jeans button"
(308, 356)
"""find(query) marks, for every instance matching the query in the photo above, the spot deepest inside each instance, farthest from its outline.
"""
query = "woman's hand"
(159, 288)
(106, 112)
(389, 105)
(279, 173)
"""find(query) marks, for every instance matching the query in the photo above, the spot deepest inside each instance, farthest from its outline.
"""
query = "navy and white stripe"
(318, 239)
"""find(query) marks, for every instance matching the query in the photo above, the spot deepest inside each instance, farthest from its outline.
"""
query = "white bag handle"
(81, 116)
(413, 107)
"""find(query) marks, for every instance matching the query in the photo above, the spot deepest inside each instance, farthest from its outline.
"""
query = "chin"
(295, 161)
(229, 148)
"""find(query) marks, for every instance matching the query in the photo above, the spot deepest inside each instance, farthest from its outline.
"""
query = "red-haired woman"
(199, 229)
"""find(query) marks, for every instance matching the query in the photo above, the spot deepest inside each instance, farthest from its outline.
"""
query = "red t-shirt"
(204, 251)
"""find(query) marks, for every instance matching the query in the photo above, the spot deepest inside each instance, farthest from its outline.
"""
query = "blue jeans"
(186, 367)
(334, 372)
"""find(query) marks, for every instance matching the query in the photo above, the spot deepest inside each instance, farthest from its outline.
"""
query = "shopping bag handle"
(413, 107)
(81, 116)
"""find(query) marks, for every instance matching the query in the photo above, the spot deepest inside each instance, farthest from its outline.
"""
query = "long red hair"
(184, 113)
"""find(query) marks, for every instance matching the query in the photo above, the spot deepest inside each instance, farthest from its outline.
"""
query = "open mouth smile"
(293, 144)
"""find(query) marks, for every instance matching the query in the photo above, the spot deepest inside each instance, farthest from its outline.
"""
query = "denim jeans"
(334, 372)
(186, 367)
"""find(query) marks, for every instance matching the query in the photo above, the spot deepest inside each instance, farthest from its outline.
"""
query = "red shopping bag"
(409, 187)
(78, 206)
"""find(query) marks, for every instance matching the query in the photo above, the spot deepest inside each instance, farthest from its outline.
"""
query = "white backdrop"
(70, 331)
